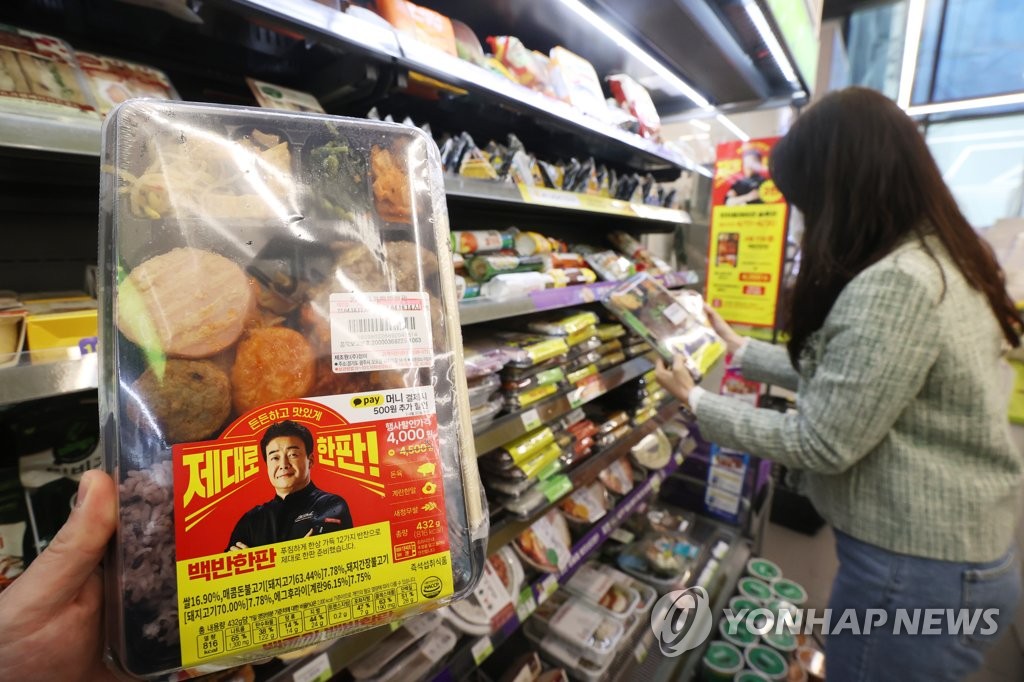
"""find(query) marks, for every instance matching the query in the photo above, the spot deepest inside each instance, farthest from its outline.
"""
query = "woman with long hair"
(897, 322)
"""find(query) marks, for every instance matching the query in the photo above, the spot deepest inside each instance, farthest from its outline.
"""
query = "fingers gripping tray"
(282, 388)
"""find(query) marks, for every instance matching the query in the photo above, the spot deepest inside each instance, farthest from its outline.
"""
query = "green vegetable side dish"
(340, 182)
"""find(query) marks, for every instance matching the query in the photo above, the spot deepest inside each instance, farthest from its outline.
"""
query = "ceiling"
(711, 44)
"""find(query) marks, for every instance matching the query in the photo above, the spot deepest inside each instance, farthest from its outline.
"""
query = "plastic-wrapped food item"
(653, 451)
(483, 357)
(421, 23)
(584, 629)
(515, 285)
(527, 67)
(564, 261)
(582, 336)
(672, 327)
(376, 659)
(618, 476)
(481, 390)
(538, 496)
(224, 283)
(646, 594)
(664, 560)
(637, 348)
(513, 373)
(527, 468)
(610, 266)
(485, 414)
(271, 96)
(418, 660)
(467, 44)
(603, 590)
(584, 347)
(610, 360)
(576, 377)
(567, 277)
(606, 440)
(492, 600)
(610, 331)
(528, 350)
(564, 326)
(40, 76)
(662, 518)
(613, 421)
(608, 347)
(519, 401)
(635, 98)
(522, 448)
(547, 544)
(555, 375)
(576, 82)
(586, 505)
(484, 268)
(112, 81)
(482, 241)
(645, 260)
(532, 243)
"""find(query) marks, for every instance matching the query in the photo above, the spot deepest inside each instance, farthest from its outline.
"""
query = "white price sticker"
(317, 670)
(531, 420)
(380, 331)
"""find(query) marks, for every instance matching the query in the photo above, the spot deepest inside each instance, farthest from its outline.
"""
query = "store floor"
(811, 561)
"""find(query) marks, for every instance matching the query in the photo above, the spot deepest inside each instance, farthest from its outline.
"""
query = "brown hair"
(859, 170)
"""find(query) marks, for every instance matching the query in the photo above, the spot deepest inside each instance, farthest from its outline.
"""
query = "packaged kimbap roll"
(282, 389)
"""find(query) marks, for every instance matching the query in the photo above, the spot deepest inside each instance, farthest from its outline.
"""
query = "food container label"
(492, 595)
(265, 567)
(576, 623)
(380, 331)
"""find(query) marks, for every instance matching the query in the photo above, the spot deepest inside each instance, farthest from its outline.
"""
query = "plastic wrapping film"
(260, 270)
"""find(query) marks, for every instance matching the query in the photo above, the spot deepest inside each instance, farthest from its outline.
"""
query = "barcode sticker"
(380, 331)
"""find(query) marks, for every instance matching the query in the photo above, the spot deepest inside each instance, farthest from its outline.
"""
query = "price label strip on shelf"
(532, 420)
(317, 670)
(527, 604)
(482, 649)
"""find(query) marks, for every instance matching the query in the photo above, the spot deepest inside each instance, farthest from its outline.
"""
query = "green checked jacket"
(901, 430)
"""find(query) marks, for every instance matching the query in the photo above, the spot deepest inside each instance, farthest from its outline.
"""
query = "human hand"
(51, 617)
(733, 341)
(676, 379)
(238, 547)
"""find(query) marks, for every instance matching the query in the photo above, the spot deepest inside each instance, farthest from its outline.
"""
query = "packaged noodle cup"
(790, 591)
(767, 571)
(721, 662)
(766, 661)
(754, 589)
(283, 395)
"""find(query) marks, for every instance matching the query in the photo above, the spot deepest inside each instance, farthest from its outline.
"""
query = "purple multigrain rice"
(147, 544)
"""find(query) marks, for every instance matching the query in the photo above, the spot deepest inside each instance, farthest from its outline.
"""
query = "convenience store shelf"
(29, 382)
(511, 426)
(496, 192)
(468, 656)
(79, 137)
(318, 23)
(476, 310)
(508, 528)
(333, 659)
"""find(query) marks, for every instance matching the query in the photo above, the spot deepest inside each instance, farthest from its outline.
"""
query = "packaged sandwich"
(112, 81)
(271, 356)
(39, 76)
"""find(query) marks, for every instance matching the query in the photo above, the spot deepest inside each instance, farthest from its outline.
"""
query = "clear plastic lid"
(282, 389)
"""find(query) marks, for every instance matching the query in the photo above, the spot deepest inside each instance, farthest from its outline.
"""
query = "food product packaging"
(481, 390)
(565, 325)
(482, 416)
(653, 451)
(526, 67)
(271, 96)
(421, 23)
(603, 591)
(582, 628)
(504, 287)
(380, 656)
(547, 544)
(482, 357)
(576, 82)
(268, 352)
(113, 81)
(586, 505)
(39, 76)
(483, 268)
(637, 101)
(482, 241)
(493, 599)
(528, 350)
(652, 312)
(538, 496)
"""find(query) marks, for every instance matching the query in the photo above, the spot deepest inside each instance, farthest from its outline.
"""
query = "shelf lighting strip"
(771, 42)
(681, 86)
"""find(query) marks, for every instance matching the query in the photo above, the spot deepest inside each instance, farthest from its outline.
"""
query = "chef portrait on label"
(298, 509)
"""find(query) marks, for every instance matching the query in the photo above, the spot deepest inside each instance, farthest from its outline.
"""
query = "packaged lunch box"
(281, 342)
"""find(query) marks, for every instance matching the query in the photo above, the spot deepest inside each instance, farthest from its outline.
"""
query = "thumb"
(58, 574)
(678, 364)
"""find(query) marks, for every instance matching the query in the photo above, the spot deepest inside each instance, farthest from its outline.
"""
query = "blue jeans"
(873, 578)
